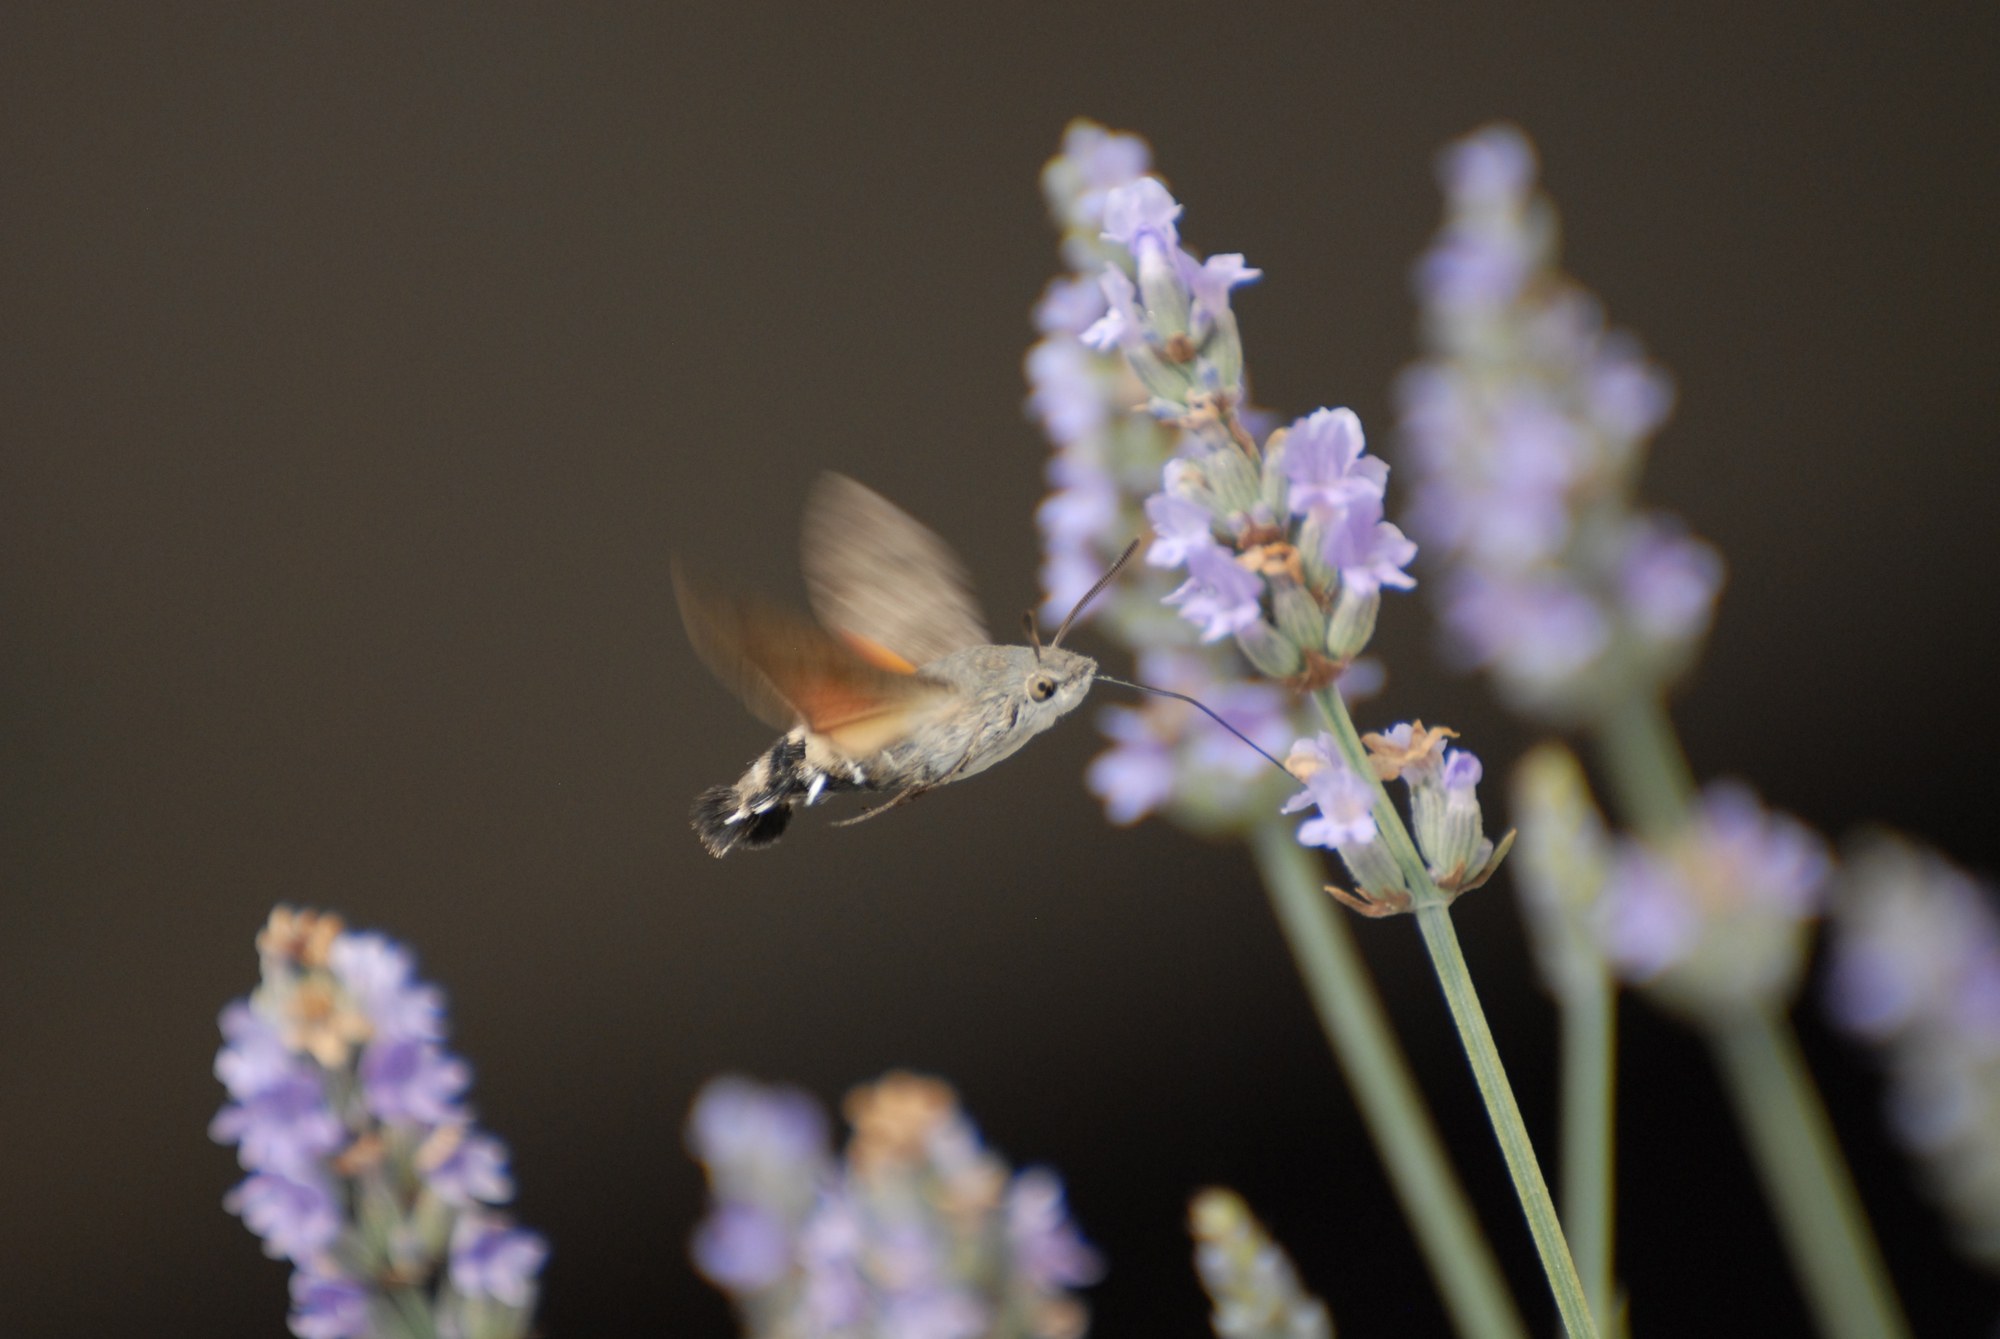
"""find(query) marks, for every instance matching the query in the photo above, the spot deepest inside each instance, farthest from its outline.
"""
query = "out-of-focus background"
(362, 367)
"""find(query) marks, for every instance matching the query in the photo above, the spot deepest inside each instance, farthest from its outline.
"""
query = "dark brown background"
(360, 369)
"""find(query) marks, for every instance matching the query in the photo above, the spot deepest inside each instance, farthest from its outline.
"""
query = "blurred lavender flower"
(1715, 921)
(918, 1233)
(1916, 971)
(1527, 427)
(365, 1169)
(1248, 1277)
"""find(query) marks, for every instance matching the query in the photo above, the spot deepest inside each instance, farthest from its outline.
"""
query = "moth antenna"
(1183, 697)
(1093, 593)
(1034, 633)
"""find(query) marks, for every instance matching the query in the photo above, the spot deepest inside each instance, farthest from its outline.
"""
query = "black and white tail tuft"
(753, 812)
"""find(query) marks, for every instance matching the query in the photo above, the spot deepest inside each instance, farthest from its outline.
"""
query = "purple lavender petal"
(413, 1081)
(297, 1218)
(325, 1306)
(1325, 463)
(1048, 1250)
(742, 1248)
(1668, 580)
(1140, 212)
(1219, 596)
(1179, 528)
(492, 1258)
(378, 973)
(475, 1173)
(286, 1127)
(1070, 305)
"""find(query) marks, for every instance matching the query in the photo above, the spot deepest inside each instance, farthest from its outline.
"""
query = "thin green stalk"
(1805, 1178)
(1649, 773)
(1589, 1064)
(1460, 1260)
(1434, 920)
(1456, 978)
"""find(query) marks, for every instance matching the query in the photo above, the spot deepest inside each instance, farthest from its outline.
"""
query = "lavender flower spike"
(1916, 973)
(918, 1233)
(1248, 1277)
(1525, 425)
(366, 1170)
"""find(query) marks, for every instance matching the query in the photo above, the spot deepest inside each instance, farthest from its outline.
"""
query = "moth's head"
(1054, 682)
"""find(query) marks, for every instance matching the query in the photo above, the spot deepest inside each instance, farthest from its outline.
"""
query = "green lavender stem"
(1806, 1179)
(1434, 920)
(1589, 1066)
(1833, 1249)
(1461, 1263)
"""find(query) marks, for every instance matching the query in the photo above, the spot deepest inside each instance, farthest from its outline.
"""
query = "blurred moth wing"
(883, 582)
(791, 672)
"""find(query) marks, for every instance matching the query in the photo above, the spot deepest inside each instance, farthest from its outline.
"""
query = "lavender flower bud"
(1248, 1277)
(1351, 626)
(1715, 921)
(1298, 614)
(1916, 972)
(1275, 655)
(1565, 858)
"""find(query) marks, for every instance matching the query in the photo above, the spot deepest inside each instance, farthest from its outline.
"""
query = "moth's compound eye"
(1041, 688)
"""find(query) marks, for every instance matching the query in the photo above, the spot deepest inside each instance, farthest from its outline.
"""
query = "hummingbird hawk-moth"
(896, 689)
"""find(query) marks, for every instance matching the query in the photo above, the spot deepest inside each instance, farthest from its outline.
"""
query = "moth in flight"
(897, 689)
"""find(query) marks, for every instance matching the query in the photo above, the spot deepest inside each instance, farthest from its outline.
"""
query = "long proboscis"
(1197, 705)
(1094, 592)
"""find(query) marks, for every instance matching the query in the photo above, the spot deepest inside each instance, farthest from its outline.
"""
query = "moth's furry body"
(991, 710)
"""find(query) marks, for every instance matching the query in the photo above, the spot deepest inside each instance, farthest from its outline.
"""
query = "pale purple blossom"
(1461, 774)
(1094, 162)
(1368, 552)
(1140, 215)
(1345, 801)
(294, 1214)
(1915, 971)
(1179, 528)
(474, 1172)
(1219, 596)
(1668, 580)
(1720, 907)
(738, 1126)
(1065, 396)
(286, 1126)
(1537, 631)
(1326, 465)
(1492, 167)
(1070, 305)
(379, 974)
(327, 1306)
(1121, 323)
(413, 1081)
(490, 1257)
(1084, 507)
(742, 1247)
(1136, 776)
(1210, 282)
(1046, 1247)
(255, 1056)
